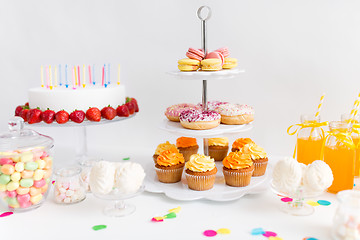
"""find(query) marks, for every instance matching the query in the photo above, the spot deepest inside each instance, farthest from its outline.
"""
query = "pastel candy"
(25, 204)
(4, 161)
(40, 183)
(31, 166)
(2, 187)
(23, 198)
(27, 174)
(27, 157)
(11, 194)
(35, 191)
(36, 199)
(4, 179)
(11, 186)
(48, 161)
(26, 182)
(7, 169)
(22, 190)
(19, 167)
(47, 173)
(44, 188)
(12, 201)
(16, 158)
(41, 163)
(15, 176)
(38, 174)
(44, 155)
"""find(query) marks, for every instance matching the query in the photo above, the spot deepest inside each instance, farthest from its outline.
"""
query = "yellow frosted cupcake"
(258, 156)
(200, 172)
(218, 148)
(187, 146)
(240, 143)
(169, 166)
(238, 169)
(163, 147)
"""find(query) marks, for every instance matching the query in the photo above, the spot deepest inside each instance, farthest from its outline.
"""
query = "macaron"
(196, 54)
(211, 64)
(224, 51)
(187, 64)
(230, 63)
(215, 55)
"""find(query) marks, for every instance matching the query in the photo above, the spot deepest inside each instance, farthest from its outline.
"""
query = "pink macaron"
(215, 55)
(196, 54)
(224, 51)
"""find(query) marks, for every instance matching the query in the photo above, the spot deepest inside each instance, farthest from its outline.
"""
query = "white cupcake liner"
(237, 179)
(199, 182)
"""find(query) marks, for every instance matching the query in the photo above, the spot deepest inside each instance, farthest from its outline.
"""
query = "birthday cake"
(69, 99)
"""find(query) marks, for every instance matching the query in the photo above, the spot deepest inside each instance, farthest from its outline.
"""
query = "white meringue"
(287, 175)
(129, 177)
(102, 177)
(318, 177)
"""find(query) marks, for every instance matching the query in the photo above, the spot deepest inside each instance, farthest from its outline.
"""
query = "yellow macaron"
(211, 64)
(188, 64)
(230, 63)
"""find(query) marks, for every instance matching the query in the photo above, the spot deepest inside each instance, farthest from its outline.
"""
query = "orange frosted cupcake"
(238, 169)
(218, 148)
(163, 147)
(187, 146)
(200, 172)
(169, 166)
(258, 156)
(240, 143)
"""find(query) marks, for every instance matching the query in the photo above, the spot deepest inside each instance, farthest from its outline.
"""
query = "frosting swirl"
(218, 141)
(170, 158)
(200, 163)
(241, 142)
(197, 115)
(165, 146)
(237, 160)
(255, 151)
(184, 142)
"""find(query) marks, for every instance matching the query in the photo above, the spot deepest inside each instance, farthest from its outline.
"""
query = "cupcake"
(240, 143)
(187, 146)
(218, 148)
(169, 166)
(200, 172)
(238, 169)
(163, 147)
(258, 156)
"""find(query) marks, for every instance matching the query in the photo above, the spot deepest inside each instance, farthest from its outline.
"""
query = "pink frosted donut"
(199, 120)
(212, 105)
(173, 112)
(235, 114)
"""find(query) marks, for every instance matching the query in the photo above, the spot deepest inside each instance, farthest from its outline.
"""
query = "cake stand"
(81, 147)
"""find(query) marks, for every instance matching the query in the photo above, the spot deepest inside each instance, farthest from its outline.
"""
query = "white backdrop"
(292, 51)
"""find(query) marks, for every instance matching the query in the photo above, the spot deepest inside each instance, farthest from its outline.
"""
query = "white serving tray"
(207, 75)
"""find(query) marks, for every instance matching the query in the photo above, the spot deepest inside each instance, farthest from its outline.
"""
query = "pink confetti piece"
(53, 182)
(269, 234)
(210, 233)
(5, 214)
(157, 220)
(286, 199)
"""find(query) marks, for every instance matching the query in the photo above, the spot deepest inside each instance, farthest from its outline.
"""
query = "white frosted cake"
(69, 99)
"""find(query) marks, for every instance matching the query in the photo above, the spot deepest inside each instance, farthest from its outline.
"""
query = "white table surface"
(54, 221)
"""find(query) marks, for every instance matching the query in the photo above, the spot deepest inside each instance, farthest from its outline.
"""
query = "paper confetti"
(128, 158)
(170, 215)
(223, 231)
(312, 203)
(286, 199)
(310, 238)
(175, 210)
(53, 182)
(275, 238)
(99, 227)
(324, 202)
(210, 233)
(269, 234)
(157, 219)
(257, 231)
(5, 214)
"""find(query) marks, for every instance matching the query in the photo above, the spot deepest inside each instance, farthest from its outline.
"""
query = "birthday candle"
(51, 85)
(73, 78)
(89, 75)
(55, 76)
(93, 74)
(47, 77)
(118, 81)
(42, 76)
(84, 84)
(66, 81)
(75, 75)
(108, 75)
(60, 74)
(103, 73)
(78, 72)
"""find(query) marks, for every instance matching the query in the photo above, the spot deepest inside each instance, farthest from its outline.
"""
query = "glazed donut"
(173, 112)
(235, 114)
(199, 120)
(212, 105)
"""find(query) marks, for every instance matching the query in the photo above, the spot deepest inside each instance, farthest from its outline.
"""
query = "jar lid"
(21, 139)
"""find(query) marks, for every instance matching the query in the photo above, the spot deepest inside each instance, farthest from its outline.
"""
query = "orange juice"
(341, 161)
(357, 156)
(308, 150)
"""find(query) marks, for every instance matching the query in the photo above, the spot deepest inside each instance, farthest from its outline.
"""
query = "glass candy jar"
(25, 167)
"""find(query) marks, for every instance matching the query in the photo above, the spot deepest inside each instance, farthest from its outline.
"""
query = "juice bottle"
(310, 140)
(339, 154)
